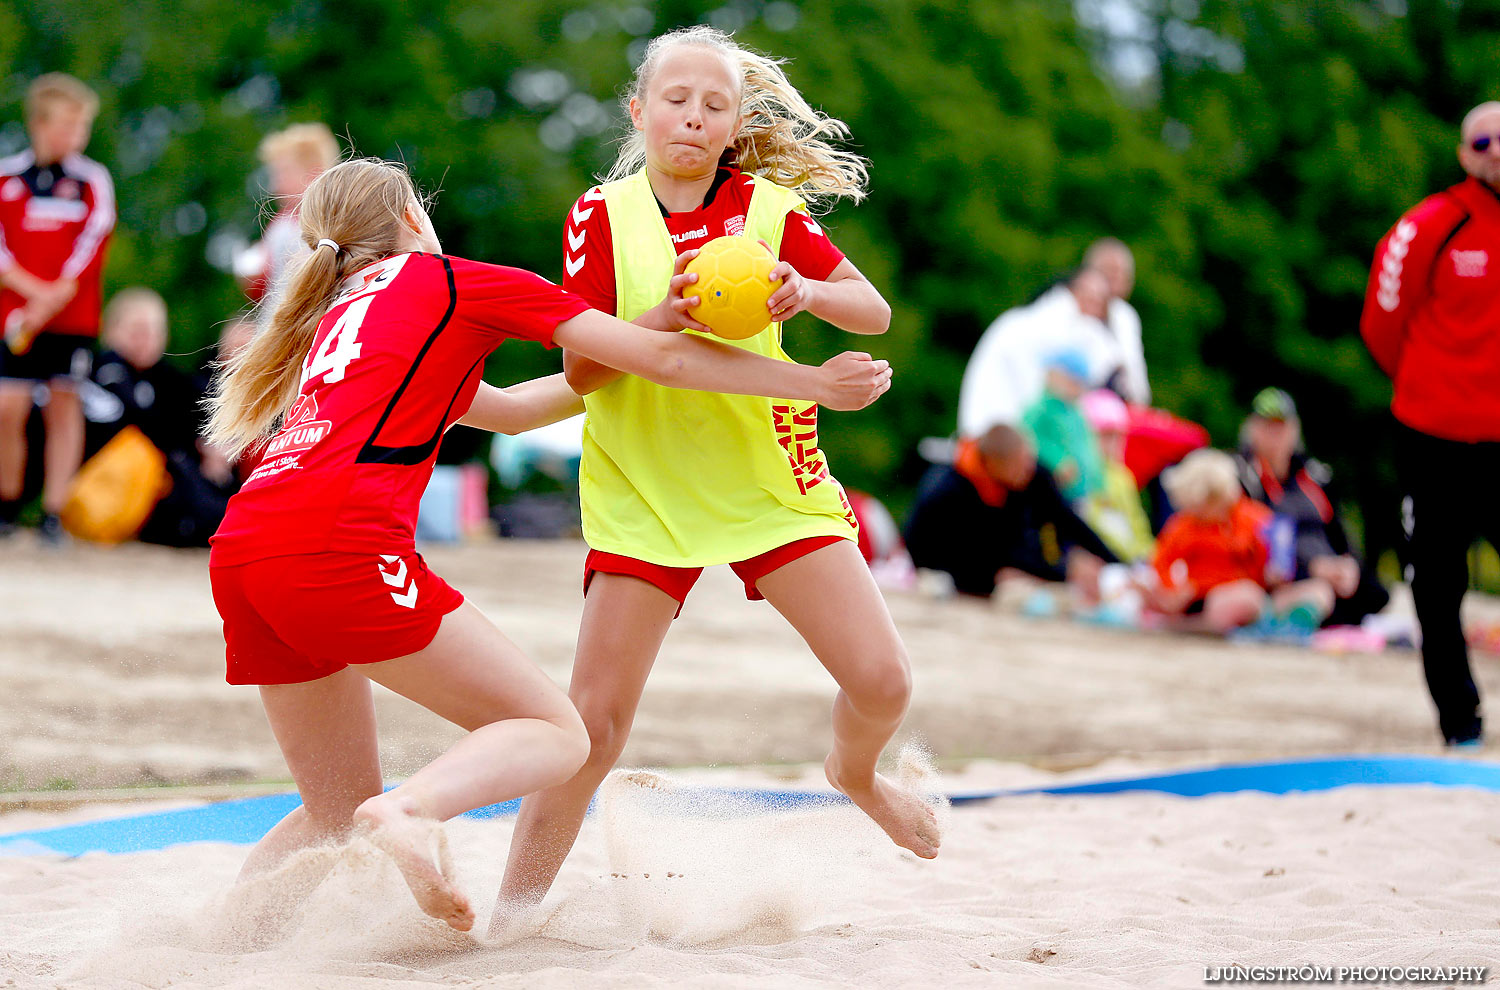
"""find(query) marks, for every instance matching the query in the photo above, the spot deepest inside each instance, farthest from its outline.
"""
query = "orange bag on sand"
(114, 493)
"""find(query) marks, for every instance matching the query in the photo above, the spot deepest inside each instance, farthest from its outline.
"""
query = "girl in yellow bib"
(672, 481)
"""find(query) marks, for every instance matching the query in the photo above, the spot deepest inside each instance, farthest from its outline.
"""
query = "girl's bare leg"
(326, 730)
(523, 735)
(624, 622)
(830, 598)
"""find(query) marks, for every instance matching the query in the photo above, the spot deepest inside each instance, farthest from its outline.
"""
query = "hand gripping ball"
(733, 286)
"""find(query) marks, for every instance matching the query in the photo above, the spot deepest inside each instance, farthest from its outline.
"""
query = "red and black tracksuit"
(1432, 322)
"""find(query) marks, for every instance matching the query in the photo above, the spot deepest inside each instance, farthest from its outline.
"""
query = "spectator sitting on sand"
(1215, 559)
(1275, 470)
(137, 387)
(995, 508)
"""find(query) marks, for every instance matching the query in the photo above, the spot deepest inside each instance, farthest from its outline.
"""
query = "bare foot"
(408, 839)
(902, 815)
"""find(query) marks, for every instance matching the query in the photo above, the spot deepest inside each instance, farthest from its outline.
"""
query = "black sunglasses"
(1482, 142)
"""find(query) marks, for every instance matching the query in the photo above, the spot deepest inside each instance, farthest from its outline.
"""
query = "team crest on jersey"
(735, 225)
(13, 189)
(303, 429)
(371, 278)
(1470, 264)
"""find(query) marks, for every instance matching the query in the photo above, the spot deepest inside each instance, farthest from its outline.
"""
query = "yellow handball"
(733, 286)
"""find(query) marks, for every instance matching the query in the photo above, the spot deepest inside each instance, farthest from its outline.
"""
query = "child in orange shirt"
(1214, 556)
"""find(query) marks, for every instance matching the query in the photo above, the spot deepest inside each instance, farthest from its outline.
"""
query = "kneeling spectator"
(1214, 557)
(997, 508)
(1276, 471)
(164, 403)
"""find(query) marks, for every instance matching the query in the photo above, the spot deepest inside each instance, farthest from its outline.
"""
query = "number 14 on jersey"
(331, 358)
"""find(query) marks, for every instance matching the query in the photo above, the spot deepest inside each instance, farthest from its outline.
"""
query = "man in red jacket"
(1432, 322)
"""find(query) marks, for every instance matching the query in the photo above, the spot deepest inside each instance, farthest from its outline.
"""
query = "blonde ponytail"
(781, 138)
(359, 205)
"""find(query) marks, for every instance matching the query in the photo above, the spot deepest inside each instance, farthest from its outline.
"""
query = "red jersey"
(395, 362)
(54, 222)
(1432, 313)
(588, 246)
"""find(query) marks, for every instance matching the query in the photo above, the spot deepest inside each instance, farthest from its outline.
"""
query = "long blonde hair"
(782, 138)
(357, 204)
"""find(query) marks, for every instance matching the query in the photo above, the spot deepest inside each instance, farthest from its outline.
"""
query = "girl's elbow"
(581, 379)
(667, 368)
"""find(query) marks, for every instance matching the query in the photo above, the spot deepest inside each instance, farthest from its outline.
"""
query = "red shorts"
(298, 618)
(678, 581)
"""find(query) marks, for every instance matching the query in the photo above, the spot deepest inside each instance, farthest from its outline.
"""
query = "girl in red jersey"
(375, 349)
(723, 144)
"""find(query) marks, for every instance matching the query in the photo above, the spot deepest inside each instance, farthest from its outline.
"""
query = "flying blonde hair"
(782, 138)
(359, 205)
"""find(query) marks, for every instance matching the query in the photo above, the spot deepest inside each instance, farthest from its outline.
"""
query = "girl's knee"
(884, 690)
(605, 731)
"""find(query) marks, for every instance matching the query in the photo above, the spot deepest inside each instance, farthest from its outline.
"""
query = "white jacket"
(1006, 373)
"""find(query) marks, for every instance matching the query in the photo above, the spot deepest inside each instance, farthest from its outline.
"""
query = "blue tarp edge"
(245, 820)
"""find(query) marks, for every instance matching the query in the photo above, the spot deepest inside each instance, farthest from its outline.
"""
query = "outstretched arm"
(523, 406)
(848, 381)
(669, 315)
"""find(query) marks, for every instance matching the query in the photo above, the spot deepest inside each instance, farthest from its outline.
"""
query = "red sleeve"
(1401, 275)
(589, 253)
(510, 302)
(88, 249)
(806, 247)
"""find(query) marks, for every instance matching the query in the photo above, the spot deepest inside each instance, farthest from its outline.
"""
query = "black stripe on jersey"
(373, 453)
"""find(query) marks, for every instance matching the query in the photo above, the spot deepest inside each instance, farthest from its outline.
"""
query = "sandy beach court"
(113, 670)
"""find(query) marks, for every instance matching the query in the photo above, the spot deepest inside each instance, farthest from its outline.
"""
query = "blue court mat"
(247, 819)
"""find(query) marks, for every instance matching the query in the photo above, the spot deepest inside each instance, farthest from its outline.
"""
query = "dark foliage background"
(1251, 152)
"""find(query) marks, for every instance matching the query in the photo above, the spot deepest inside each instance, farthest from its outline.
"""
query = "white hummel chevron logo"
(576, 243)
(593, 194)
(812, 226)
(574, 264)
(396, 579)
(580, 215)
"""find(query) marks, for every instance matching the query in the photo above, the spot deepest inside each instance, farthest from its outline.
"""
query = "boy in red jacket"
(57, 209)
